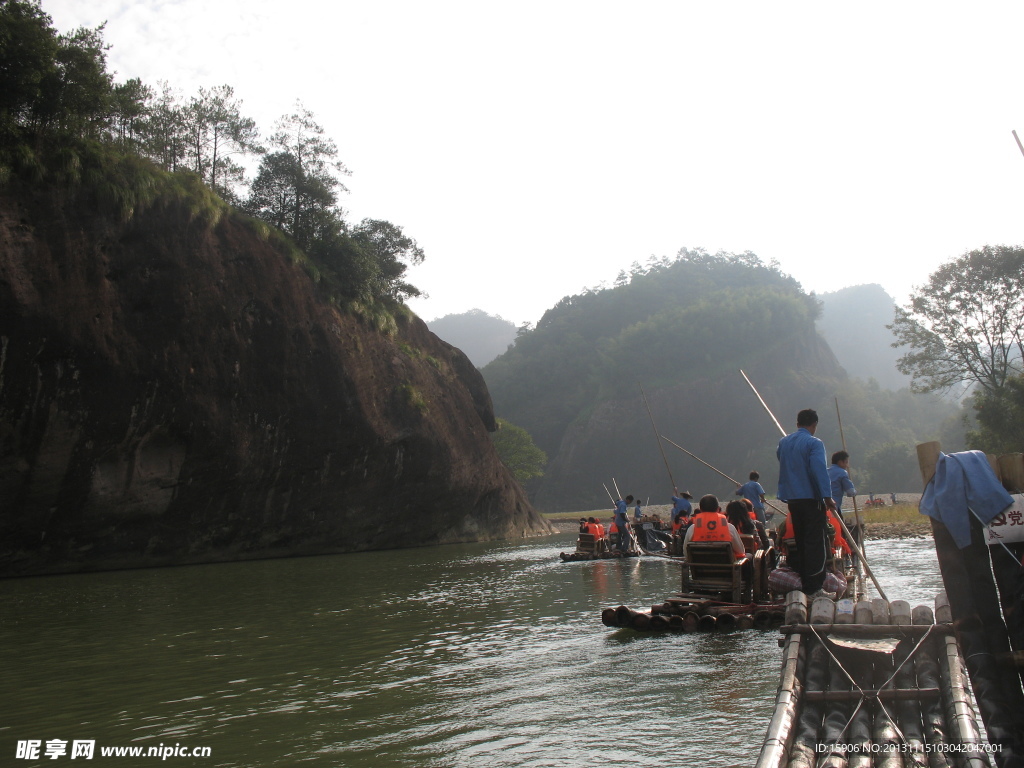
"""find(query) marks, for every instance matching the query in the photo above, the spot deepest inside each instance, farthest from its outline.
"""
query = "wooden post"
(1011, 471)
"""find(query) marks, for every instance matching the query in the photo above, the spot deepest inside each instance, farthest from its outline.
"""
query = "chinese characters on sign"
(1008, 526)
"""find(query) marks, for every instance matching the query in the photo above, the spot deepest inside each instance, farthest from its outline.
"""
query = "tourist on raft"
(622, 521)
(762, 532)
(709, 524)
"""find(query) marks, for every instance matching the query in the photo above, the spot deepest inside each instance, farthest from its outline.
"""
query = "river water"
(461, 656)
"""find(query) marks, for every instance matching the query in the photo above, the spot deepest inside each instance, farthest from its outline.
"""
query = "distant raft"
(871, 683)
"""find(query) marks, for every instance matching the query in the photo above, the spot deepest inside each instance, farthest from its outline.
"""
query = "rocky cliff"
(172, 391)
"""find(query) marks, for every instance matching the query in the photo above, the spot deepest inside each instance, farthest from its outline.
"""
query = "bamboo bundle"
(775, 748)
(833, 729)
(803, 753)
(858, 734)
(906, 706)
(926, 670)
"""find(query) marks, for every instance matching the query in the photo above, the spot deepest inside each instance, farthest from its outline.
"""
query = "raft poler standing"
(622, 521)
(681, 505)
(804, 486)
(754, 493)
(842, 485)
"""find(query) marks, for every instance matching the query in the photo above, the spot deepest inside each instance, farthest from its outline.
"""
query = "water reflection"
(478, 655)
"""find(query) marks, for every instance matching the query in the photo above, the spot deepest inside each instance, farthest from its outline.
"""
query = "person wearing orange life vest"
(709, 524)
(838, 540)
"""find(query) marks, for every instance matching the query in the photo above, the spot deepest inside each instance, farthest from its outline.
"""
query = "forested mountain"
(481, 336)
(853, 323)
(683, 329)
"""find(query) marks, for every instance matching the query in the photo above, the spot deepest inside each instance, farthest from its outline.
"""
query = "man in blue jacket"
(804, 486)
(753, 491)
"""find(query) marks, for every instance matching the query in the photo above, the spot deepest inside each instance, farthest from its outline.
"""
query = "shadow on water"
(471, 655)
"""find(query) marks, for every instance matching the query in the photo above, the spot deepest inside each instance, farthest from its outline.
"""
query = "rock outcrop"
(172, 391)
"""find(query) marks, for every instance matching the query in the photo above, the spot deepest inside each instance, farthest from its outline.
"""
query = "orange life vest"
(600, 531)
(592, 530)
(713, 526)
(710, 526)
(838, 541)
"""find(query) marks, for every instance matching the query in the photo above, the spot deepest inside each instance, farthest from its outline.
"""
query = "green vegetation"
(66, 125)
(686, 326)
(682, 319)
(414, 397)
(517, 450)
(1000, 418)
(965, 326)
(898, 513)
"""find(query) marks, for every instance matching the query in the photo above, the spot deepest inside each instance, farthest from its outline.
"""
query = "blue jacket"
(841, 483)
(964, 481)
(803, 471)
(752, 490)
(681, 504)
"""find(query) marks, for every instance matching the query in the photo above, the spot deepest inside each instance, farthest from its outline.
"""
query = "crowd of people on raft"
(809, 531)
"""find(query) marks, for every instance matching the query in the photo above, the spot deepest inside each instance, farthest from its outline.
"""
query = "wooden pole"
(656, 436)
(856, 511)
(610, 498)
(758, 395)
(733, 480)
(1017, 139)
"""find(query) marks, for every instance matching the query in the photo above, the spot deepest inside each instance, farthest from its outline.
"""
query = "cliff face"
(172, 392)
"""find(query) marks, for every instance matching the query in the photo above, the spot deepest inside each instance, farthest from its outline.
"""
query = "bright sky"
(537, 148)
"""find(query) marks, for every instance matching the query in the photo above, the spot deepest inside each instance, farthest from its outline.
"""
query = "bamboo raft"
(691, 614)
(871, 683)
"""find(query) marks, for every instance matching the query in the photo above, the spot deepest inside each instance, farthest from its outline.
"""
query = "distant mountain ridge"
(481, 336)
(853, 323)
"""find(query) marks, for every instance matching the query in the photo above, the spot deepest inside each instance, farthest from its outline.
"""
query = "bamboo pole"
(657, 435)
(761, 399)
(856, 511)
(926, 669)
(715, 469)
(775, 749)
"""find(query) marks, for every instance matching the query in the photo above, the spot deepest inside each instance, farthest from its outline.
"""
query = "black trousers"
(811, 534)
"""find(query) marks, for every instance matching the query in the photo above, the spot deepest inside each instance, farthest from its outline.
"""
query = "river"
(461, 656)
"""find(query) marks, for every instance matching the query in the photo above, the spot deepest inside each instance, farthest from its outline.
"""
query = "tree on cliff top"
(966, 325)
(296, 187)
(61, 115)
(49, 81)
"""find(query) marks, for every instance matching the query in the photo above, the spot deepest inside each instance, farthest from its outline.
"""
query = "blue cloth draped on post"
(964, 481)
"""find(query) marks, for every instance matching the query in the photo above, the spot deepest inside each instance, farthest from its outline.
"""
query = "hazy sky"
(537, 148)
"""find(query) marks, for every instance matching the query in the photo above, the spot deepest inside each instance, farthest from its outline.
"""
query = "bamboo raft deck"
(871, 683)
